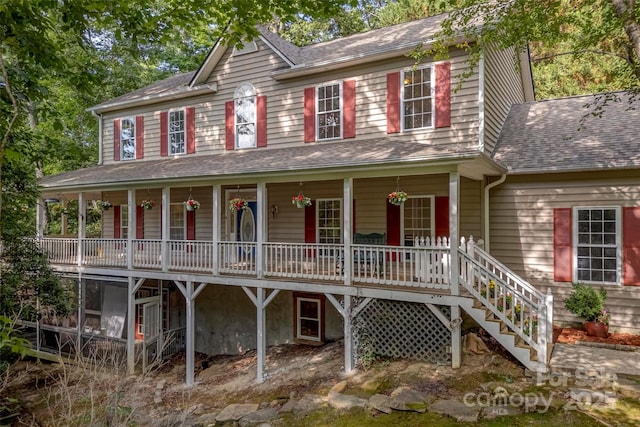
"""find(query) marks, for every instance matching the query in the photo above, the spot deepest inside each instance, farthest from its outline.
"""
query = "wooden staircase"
(512, 311)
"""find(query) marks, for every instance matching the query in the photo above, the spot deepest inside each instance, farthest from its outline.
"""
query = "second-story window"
(417, 98)
(245, 116)
(128, 138)
(329, 110)
(177, 132)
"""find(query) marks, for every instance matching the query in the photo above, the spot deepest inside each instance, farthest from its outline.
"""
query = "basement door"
(151, 312)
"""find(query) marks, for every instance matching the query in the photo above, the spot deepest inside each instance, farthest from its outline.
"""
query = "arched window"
(245, 116)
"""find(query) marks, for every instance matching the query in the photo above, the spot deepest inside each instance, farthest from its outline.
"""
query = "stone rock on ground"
(205, 420)
(345, 401)
(309, 403)
(259, 417)
(455, 409)
(339, 387)
(381, 403)
(236, 411)
(407, 399)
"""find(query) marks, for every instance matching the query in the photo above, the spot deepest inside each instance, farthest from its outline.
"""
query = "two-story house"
(250, 204)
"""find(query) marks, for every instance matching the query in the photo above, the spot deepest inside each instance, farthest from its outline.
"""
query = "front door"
(246, 228)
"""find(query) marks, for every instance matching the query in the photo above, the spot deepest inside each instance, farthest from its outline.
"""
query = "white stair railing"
(520, 306)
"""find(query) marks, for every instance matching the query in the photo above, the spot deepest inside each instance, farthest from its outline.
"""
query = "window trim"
(432, 95)
(574, 245)
(317, 207)
(317, 110)
(132, 119)
(184, 131)
(236, 97)
(297, 337)
(432, 214)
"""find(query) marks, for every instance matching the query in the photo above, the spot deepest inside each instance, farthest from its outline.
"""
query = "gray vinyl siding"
(470, 200)
(521, 223)
(502, 88)
(285, 115)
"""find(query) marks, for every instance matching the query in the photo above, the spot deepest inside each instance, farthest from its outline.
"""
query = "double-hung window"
(418, 100)
(128, 138)
(245, 116)
(329, 220)
(419, 218)
(598, 251)
(124, 221)
(176, 222)
(177, 132)
(329, 111)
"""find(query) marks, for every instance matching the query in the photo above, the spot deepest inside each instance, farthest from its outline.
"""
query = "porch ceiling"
(362, 158)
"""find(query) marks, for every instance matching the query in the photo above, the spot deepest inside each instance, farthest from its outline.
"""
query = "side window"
(128, 138)
(124, 221)
(417, 98)
(177, 222)
(177, 132)
(329, 108)
(598, 244)
(245, 116)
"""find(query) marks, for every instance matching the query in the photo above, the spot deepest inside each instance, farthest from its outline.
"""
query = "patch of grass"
(626, 412)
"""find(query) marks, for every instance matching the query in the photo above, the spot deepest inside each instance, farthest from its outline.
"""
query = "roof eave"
(183, 92)
(604, 168)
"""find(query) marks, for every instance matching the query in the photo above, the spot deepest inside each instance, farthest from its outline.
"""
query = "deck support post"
(131, 226)
(82, 226)
(348, 336)
(217, 215)
(454, 268)
(348, 229)
(166, 217)
(456, 337)
(261, 331)
(131, 325)
(190, 335)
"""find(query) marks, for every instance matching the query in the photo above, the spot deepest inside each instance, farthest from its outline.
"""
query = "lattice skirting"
(401, 330)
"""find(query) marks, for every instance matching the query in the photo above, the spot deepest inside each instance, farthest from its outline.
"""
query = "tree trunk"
(625, 12)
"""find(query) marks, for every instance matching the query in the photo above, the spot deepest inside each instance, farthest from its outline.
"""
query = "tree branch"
(575, 52)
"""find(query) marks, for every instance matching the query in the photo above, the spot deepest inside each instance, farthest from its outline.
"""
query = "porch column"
(348, 225)
(82, 225)
(131, 326)
(40, 217)
(217, 220)
(131, 226)
(164, 227)
(260, 227)
(454, 268)
(63, 217)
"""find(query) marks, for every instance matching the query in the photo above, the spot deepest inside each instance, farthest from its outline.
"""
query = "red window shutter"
(393, 224)
(393, 102)
(310, 114)
(631, 246)
(164, 133)
(310, 223)
(442, 216)
(562, 245)
(191, 225)
(443, 95)
(116, 139)
(139, 222)
(349, 109)
(261, 125)
(190, 119)
(139, 137)
(229, 123)
(116, 222)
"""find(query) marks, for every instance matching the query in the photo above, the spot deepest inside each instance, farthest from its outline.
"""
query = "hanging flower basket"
(148, 204)
(237, 204)
(397, 197)
(192, 205)
(301, 201)
(105, 205)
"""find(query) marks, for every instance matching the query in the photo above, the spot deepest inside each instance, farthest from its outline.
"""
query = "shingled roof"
(563, 135)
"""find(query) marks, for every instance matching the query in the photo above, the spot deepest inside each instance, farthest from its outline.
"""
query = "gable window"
(417, 98)
(177, 132)
(128, 139)
(329, 111)
(245, 116)
(329, 225)
(597, 251)
(419, 218)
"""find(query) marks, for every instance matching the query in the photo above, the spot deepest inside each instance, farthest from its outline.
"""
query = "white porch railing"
(60, 250)
(520, 306)
(190, 255)
(147, 254)
(104, 252)
(303, 260)
(237, 258)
